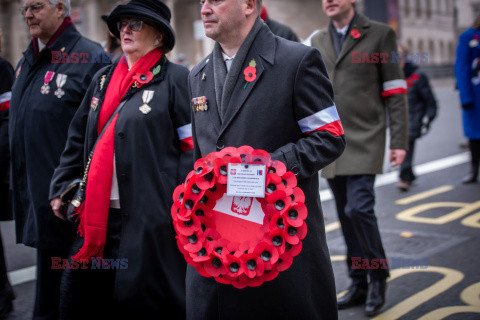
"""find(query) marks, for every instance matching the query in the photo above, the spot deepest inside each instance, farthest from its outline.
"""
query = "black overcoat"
(150, 164)
(271, 113)
(421, 101)
(6, 81)
(38, 128)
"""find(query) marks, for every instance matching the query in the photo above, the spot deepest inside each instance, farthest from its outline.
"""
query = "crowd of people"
(120, 129)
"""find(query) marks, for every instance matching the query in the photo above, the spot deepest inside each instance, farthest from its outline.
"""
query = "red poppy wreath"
(242, 241)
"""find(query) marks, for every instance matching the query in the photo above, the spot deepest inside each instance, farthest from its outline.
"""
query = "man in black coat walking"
(6, 79)
(278, 29)
(52, 78)
(296, 121)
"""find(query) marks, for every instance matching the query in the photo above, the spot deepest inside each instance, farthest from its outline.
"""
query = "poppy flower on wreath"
(355, 33)
(239, 241)
(142, 78)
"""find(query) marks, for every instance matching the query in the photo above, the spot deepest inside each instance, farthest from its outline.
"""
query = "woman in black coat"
(136, 158)
(422, 109)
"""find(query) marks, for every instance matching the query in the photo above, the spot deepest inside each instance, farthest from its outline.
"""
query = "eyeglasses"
(134, 25)
(35, 8)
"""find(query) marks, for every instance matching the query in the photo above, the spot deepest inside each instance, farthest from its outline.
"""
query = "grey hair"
(66, 6)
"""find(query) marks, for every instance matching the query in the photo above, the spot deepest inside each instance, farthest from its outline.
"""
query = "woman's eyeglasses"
(35, 8)
(134, 25)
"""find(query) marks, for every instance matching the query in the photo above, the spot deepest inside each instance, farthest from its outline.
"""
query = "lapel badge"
(200, 104)
(102, 81)
(204, 76)
(146, 97)
(94, 104)
(18, 72)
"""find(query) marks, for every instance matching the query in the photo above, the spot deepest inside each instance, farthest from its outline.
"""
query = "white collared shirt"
(343, 31)
(228, 60)
(41, 46)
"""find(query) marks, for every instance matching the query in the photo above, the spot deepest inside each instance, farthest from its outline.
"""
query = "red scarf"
(94, 211)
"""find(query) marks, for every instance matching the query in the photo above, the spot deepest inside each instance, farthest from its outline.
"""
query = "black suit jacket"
(288, 111)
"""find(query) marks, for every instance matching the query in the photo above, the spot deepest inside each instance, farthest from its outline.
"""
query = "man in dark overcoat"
(52, 78)
(288, 111)
(369, 87)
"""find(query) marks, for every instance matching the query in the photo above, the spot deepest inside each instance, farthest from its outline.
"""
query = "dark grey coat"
(291, 84)
(38, 128)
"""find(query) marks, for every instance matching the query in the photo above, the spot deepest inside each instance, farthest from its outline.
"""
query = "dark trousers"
(6, 290)
(48, 285)
(474, 146)
(355, 201)
(406, 168)
(87, 291)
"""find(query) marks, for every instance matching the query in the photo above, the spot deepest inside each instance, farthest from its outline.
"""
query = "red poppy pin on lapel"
(250, 72)
(142, 77)
(355, 33)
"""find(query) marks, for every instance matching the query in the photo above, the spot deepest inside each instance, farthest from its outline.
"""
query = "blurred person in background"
(422, 109)
(6, 80)
(134, 126)
(112, 45)
(467, 73)
(277, 28)
(51, 80)
(370, 96)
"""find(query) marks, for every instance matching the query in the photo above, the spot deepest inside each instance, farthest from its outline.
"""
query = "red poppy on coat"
(250, 73)
(355, 33)
(141, 78)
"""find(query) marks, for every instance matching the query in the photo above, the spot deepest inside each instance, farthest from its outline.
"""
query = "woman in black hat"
(133, 133)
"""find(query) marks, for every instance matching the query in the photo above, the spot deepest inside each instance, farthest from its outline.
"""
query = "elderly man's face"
(42, 18)
(222, 18)
(336, 8)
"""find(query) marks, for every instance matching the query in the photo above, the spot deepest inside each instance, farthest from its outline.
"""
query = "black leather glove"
(467, 105)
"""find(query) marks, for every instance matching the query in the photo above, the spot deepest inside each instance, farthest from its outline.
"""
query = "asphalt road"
(430, 233)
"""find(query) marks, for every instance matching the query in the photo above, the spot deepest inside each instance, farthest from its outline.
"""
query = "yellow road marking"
(423, 195)
(465, 208)
(451, 277)
(472, 221)
(470, 296)
(332, 226)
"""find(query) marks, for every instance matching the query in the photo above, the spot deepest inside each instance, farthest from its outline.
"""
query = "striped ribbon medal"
(61, 80)
(147, 97)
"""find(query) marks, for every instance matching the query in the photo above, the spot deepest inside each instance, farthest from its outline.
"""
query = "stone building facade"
(429, 26)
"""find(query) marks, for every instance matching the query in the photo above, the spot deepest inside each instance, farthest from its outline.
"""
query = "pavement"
(430, 233)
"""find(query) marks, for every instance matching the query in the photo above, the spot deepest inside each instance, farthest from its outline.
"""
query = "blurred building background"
(425, 26)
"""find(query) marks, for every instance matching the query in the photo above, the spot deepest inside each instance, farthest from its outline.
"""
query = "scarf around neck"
(225, 82)
(93, 213)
